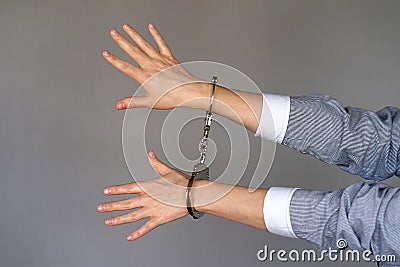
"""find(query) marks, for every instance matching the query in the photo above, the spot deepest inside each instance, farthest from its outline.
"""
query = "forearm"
(238, 106)
(359, 141)
(237, 205)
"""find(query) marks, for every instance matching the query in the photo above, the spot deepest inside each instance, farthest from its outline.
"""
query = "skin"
(151, 197)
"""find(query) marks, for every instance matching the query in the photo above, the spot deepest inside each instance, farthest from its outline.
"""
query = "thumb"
(157, 165)
(132, 102)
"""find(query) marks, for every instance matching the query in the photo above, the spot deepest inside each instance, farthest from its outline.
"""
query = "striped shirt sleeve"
(365, 215)
(359, 141)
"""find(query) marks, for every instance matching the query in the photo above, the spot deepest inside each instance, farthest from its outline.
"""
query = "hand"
(161, 200)
(171, 87)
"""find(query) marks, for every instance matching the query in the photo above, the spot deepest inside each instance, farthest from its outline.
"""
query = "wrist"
(198, 196)
(198, 95)
(207, 194)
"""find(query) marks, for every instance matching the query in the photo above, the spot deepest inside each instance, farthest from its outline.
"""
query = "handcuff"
(201, 170)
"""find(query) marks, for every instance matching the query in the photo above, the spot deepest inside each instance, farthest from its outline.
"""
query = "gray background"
(60, 137)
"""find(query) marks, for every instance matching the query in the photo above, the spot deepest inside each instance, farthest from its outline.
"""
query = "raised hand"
(170, 86)
(161, 200)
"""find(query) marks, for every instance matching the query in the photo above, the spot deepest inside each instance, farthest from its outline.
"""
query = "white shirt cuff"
(276, 211)
(274, 117)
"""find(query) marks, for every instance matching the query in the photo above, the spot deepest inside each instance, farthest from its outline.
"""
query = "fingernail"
(107, 191)
(126, 27)
(152, 155)
(120, 105)
(105, 53)
(109, 221)
(151, 26)
(114, 32)
(129, 237)
(100, 207)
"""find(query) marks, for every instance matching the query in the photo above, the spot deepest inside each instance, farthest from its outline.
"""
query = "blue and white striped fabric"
(358, 141)
(362, 142)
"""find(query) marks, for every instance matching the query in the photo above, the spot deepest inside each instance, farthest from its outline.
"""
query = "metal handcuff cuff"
(200, 170)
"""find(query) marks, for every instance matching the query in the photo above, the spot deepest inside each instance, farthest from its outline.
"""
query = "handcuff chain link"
(207, 126)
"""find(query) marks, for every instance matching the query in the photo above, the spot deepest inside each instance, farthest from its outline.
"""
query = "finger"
(157, 165)
(126, 218)
(126, 204)
(131, 188)
(162, 45)
(140, 41)
(134, 52)
(125, 67)
(144, 229)
(132, 102)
